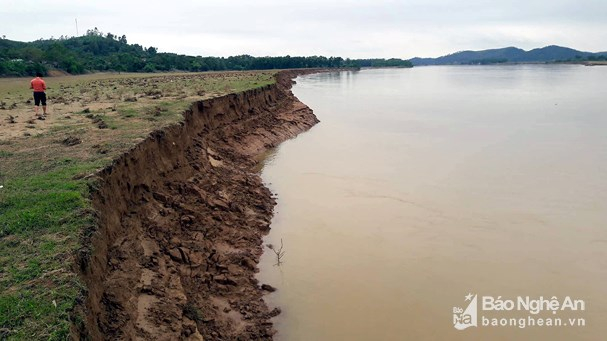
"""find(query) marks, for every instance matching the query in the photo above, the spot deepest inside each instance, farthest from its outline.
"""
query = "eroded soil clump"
(181, 221)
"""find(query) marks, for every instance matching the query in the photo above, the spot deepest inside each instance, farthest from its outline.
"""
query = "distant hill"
(512, 55)
(96, 51)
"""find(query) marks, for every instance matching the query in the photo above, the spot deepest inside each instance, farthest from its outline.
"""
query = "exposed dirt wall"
(180, 224)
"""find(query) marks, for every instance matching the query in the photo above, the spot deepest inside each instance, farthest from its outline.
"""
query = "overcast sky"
(348, 28)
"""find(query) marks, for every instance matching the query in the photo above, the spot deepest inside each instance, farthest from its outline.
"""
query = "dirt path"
(181, 221)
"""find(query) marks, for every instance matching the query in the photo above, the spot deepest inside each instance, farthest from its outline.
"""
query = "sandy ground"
(107, 95)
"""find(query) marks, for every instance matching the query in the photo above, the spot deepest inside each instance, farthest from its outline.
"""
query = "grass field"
(47, 169)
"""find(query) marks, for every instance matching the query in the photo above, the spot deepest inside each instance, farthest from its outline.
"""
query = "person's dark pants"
(39, 97)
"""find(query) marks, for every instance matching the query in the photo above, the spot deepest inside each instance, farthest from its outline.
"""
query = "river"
(421, 186)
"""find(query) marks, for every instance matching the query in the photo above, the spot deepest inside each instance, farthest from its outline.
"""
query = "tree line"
(96, 52)
(596, 58)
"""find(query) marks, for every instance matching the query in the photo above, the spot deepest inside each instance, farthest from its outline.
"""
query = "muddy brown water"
(422, 185)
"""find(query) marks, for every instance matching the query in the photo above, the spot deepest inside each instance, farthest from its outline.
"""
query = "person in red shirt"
(39, 87)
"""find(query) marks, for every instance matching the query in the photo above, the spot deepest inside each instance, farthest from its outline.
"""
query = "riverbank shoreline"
(180, 224)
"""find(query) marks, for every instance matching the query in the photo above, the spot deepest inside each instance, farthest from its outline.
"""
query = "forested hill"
(513, 55)
(107, 52)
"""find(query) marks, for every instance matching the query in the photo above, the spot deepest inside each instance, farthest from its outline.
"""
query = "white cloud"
(349, 28)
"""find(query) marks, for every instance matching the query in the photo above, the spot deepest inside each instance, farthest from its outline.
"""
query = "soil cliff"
(180, 224)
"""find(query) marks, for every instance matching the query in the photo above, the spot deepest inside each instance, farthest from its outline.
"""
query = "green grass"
(127, 112)
(30, 306)
(42, 202)
(41, 217)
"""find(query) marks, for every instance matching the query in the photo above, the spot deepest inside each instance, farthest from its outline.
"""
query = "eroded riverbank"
(180, 224)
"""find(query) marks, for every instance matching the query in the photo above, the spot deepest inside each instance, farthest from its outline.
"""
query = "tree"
(97, 52)
(149, 67)
(94, 32)
(33, 53)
